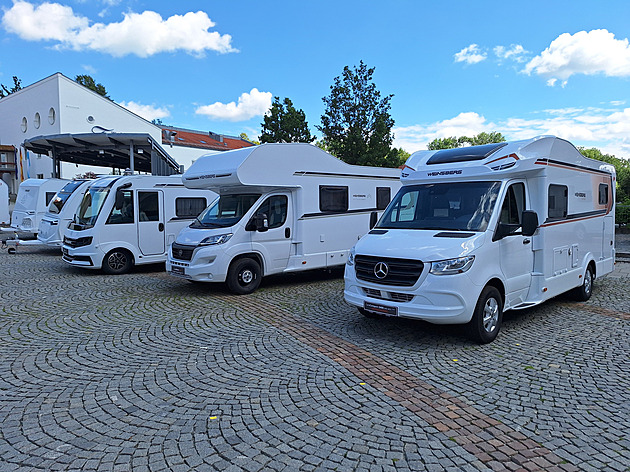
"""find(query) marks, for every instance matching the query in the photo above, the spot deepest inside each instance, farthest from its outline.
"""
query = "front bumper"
(448, 299)
(207, 264)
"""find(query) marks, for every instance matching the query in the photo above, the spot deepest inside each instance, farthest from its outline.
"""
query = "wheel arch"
(119, 245)
(498, 284)
(249, 255)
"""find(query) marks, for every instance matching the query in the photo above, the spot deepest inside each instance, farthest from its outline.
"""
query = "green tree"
(89, 82)
(356, 124)
(247, 138)
(622, 167)
(283, 123)
(5, 91)
(453, 142)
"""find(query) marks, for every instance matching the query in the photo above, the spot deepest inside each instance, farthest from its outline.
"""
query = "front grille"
(182, 252)
(79, 242)
(402, 272)
(383, 295)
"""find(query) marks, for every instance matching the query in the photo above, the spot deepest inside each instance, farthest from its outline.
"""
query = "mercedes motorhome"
(479, 230)
(282, 208)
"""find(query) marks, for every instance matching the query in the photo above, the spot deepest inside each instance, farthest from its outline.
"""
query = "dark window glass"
(558, 204)
(275, 208)
(603, 194)
(383, 197)
(49, 197)
(148, 206)
(124, 214)
(333, 198)
(513, 205)
(189, 207)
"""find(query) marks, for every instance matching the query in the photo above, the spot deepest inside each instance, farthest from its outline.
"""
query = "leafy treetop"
(283, 123)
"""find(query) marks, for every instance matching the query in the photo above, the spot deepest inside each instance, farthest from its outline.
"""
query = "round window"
(51, 116)
(24, 124)
(90, 119)
(37, 121)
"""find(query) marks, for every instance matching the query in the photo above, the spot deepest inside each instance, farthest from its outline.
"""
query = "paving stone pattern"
(145, 372)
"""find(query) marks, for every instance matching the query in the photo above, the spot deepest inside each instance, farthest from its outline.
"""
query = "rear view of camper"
(282, 208)
(33, 198)
(480, 230)
(130, 220)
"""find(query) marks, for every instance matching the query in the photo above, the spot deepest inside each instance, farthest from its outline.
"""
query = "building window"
(558, 203)
(383, 197)
(37, 121)
(189, 207)
(603, 194)
(51, 116)
(24, 125)
(40, 176)
(333, 198)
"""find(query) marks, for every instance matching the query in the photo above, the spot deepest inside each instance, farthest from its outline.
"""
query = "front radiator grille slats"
(401, 272)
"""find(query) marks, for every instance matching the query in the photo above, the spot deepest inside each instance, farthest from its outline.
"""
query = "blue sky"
(454, 67)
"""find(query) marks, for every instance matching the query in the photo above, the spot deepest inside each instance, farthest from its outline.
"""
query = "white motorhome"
(130, 220)
(4, 204)
(479, 230)
(60, 212)
(33, 198)
(282, 208)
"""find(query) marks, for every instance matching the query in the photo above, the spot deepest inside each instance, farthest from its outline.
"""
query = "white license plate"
(380, 309)
(177, 270)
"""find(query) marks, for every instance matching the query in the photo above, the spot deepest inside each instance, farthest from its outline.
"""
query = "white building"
(52, 124)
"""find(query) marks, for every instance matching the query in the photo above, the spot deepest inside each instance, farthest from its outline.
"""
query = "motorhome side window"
(333, 198)
(275, 207)
(148, 206)
(189, 207)
(513, 205)
(383, 197)
(49, 197)
(558, 204)
(122, 213)
(603, 194)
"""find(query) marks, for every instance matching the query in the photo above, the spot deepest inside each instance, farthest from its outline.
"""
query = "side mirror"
(258, 223)
(373, 219)
(120, 198)
(529, 218)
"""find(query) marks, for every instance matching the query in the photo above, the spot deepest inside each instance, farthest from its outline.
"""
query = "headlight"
(350, 260)
(216, 239)
(452, 266)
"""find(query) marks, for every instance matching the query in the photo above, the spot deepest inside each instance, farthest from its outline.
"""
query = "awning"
(106, 150)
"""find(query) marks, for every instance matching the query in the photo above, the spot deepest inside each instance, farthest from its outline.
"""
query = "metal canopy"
(138, 152)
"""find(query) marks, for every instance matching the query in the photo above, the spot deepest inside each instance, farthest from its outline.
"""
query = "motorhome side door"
(515, 250)
(151, 239)
(275, 243)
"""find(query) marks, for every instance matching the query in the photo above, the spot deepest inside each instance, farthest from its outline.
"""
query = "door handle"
(287, 233)
(527, 241)
(161, 227)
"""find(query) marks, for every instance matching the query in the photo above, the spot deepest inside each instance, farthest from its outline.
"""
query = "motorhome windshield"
(453, 206)
(225, 211)
(91, 205)
(59, 200)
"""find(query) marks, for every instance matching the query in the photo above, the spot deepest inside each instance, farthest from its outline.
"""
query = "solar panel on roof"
(472, 153)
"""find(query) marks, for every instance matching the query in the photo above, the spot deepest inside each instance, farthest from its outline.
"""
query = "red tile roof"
(200, 139)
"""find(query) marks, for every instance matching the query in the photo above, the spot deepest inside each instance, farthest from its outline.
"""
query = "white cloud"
(593, 52)
(142, 34)
(148, 112)
(605, 128)
(515, 52)
(470, 55)
(249, 105)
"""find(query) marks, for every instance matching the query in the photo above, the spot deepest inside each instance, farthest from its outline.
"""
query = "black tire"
(368, 314)
(584, 291)
(117, 261)
(487, 317)
(244, 276)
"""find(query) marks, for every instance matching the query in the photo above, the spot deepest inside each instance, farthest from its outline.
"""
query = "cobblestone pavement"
(145, 372)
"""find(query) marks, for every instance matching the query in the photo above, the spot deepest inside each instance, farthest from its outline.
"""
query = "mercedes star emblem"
(380, 270)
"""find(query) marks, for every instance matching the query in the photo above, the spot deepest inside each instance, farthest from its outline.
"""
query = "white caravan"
(282, 208)
(4, 204)
(33, 198)
(130, 220)
(479, 230)
(60, 212)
